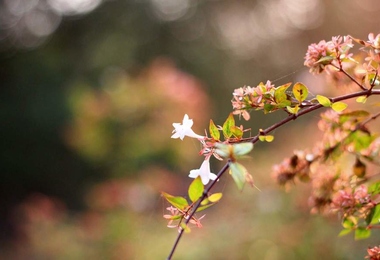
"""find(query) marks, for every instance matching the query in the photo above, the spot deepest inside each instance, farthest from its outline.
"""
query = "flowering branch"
(356, 204)
(254, 140)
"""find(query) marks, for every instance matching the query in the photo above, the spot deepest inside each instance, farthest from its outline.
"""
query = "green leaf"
(268, 108)
(237, 132)
(228, 124)
(205, 202)
(325, 60)
(185, 227)
(293, 110)
(242, 149)
(356, 113)
(324, 101)
(300, 91)
(214, 132)
(196, 189)
(344, 232)
(349, 222)
(344, 117)
(280, 93)
(361, 99)
(178, 202)
(374, 188)
(175, 217)
(362, 233)
(374, 216)
(339, 106)
(361, 140)
(215, 197)
(204, 207)
(238, 173)
(266, 138)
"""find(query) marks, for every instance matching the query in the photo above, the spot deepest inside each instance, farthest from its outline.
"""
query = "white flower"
(180, 131)
(204, 172)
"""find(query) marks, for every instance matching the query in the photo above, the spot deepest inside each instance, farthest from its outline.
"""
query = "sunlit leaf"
(344, 232)
(280, 93)
(230, 122)
(236, 131)
(353, 114)
(360, 140)
(374, 216)
(266, 138)
(325, 60)
(300, 91)
(362, 233)
(324, 101)
(349, 222)
(214, 132)
(339, 106)
(185, 227)
(238, 172)
(374, 188)
(196, 189)
(178, 202)
(293, 110)
(204, 207)
(361, 99)
(215, 197)
(205, 202)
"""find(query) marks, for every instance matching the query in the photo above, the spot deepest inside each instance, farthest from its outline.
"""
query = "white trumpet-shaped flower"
(184, 129)
(204, 172)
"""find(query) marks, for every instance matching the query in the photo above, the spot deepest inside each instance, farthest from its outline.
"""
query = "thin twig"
(349, 76)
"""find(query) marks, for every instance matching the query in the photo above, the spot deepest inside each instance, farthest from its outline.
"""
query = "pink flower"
(318, 56)
(373, 253)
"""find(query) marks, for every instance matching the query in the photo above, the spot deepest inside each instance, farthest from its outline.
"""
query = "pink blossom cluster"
(179, 215)
(373, 253)
(319, 55)
(352, 202)
(246, 98)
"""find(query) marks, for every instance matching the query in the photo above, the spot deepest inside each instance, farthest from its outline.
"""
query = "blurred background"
(89, 92)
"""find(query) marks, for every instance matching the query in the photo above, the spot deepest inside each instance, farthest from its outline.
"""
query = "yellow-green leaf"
(324, 101)
(361, 99)
(300, 91)
(362, 233)
(215, 197)
(293, 110)
(185, 227)
(344, 232)
(280, 93)
(236, 131)
(339, 106)
(214, 132)
(196, 189)
(178, 202)
(228, 124)
(269, 138)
